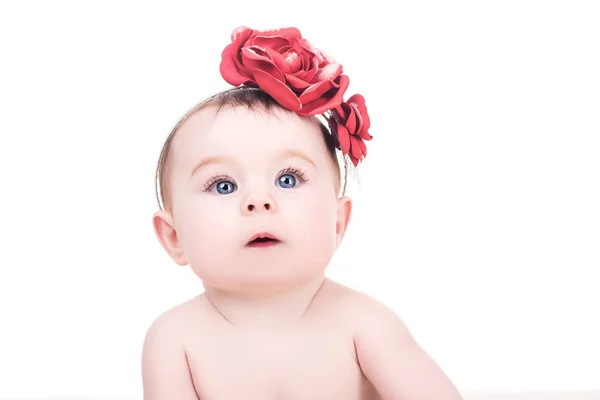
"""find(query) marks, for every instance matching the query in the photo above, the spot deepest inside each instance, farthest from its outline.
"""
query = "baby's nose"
(258, 204)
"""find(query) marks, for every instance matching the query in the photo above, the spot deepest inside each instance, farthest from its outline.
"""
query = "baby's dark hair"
(253, 99)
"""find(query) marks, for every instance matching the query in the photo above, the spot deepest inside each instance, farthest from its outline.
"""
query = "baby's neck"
(265, 310)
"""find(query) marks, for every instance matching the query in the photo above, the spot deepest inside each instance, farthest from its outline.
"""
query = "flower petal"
(292, 60)
(363, 148)
(278, 90)
(255, 58)
(241, 34)
(231, 69)
(355, 147)
(329, 72)
(296, 83)
(332, 100)
(343, 111)
(364, 135)
(270, 42)
(278, 60)
(309, 48)
(359, 101)
(316, 90)
(287, 33)
(343, 138)
(305, 74)
(351, 122)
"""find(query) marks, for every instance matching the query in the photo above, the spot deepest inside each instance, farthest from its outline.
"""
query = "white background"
(477, 217)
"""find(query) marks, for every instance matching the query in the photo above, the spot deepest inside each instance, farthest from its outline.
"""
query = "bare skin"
(205, 355)
(269, 326)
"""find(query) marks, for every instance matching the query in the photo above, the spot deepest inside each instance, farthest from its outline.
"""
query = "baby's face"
(245, 173)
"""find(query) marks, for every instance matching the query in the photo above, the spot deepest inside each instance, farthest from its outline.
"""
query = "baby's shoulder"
(180, 321)
(357, 307)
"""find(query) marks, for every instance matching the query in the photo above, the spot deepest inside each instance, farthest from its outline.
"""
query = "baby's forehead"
(240, 131)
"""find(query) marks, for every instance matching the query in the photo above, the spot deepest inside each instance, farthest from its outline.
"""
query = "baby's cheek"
(318, 225)
(204, 237)
(209, 252)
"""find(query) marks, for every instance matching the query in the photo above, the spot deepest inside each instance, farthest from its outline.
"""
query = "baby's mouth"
(263, 240)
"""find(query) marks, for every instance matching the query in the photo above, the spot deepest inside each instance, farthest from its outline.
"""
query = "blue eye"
(225, 187)
(287, 181)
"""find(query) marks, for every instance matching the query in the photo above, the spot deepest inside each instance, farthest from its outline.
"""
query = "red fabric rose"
(351, 122)
(287, 67)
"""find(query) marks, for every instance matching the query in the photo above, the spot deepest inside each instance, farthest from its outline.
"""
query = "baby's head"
(253, 193)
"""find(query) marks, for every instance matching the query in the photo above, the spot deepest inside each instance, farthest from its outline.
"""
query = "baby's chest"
(320, 366)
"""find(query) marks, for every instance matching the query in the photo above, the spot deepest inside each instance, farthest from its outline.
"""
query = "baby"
(253, 201)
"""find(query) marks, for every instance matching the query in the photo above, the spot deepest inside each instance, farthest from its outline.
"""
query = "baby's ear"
(344, 212)
(167, 236)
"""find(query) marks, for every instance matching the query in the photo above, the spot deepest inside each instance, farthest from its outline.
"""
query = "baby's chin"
(259, 280)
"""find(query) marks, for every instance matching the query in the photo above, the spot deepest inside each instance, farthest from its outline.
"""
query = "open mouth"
(263, 240)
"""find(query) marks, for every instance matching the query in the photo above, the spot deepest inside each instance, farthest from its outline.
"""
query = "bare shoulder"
(175, 323)
(165, 368)
(174, 327)
(361, 308)
(387, 352)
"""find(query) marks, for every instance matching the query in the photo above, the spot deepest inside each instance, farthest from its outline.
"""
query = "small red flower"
(350, 120)
(287, 67)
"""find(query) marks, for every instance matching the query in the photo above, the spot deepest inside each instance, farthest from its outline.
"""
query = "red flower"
(351, 122)
(287, 67)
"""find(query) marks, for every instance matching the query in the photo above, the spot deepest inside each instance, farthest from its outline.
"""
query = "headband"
(300, 78)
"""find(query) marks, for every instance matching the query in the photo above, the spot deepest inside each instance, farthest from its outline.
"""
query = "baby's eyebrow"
(290, 153)
(222, 159)
(211, 160)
